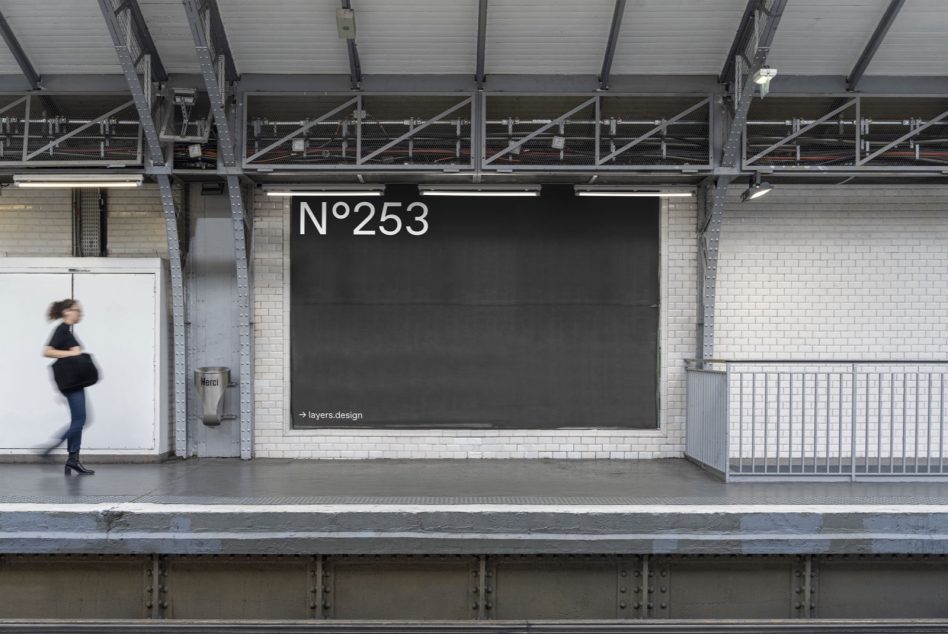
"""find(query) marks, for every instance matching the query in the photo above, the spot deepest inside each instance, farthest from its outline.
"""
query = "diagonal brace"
(803, 130)
(84, 126)
(653, 131)
(560, 119)
(904, 137)
(415, 131)
(301, 129)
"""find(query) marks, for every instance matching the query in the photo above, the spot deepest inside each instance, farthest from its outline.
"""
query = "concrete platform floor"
(530, 482)
(460, 507)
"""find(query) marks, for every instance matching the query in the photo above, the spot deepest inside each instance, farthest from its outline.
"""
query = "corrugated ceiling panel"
(62, 37)
(816, 37)
(288, 36)
(8, 65)
(546, 36)
(679, 37)
(168, 25)
(417, 36)
(917, 43)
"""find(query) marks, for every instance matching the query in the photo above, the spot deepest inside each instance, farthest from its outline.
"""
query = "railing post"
(852, 428)
(727, 422)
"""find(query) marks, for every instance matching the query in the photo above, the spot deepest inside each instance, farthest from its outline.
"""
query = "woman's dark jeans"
(77, 409)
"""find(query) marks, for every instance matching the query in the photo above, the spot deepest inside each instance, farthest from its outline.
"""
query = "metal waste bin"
(211, 384)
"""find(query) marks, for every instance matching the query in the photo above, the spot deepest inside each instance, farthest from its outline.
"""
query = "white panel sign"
(31, 408)
(118, 329)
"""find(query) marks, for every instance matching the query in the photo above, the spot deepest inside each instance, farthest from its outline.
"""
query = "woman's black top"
(62, 338)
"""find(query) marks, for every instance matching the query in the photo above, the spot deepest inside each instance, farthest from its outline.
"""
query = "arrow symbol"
(302, 414)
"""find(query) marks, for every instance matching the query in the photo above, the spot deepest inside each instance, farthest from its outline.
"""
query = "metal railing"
(804, 419)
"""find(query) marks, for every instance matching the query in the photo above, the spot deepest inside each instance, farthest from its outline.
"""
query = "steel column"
(244, 321)
(711, 217)
(142, 103)
(226, 149)
(177, 318)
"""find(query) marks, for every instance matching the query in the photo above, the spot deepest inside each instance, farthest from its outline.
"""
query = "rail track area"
(509, 627)
(514, 546)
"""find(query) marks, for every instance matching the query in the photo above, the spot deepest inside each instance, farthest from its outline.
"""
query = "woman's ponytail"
(56, 309)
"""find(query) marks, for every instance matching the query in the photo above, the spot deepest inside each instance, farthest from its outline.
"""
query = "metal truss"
(416, 132)
(850, 138)
(44, 141)
(599, 133)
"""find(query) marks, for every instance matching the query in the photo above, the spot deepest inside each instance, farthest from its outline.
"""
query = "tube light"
(77, 181)
(608, 192)
(519, 191)
(289, 191)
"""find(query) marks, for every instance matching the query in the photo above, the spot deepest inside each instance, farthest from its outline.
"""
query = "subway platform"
(440, 507)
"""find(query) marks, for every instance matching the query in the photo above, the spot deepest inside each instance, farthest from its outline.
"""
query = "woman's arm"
(53, 353)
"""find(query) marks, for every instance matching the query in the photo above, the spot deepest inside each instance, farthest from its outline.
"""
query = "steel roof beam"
(745, 31)
(212, 83)
(611, 45)
(479, 77)
(852, 81)
(26, 67)
(140, 93)
(146, 45)
(355, 66)
(219, 39)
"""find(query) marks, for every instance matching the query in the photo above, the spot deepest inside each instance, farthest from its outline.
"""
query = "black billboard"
(513, 313)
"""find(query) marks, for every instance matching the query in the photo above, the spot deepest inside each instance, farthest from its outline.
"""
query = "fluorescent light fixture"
(326, 191)
(498, 191)
(756, 189)
(624, 192)
(76, 181)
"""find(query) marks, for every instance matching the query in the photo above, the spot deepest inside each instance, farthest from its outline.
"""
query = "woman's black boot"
(74, 464)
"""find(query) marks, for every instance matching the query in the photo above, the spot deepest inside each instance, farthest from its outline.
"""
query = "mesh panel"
(89, 222)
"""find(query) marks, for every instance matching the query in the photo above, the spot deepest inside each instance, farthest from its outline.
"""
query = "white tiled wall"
(822, 272)
(35, 223)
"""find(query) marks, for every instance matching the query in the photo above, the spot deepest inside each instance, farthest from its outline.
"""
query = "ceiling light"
(762, 77)
(620, 192)
(756, 189)
(76, 181)
(331, 192)
(508, 191)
